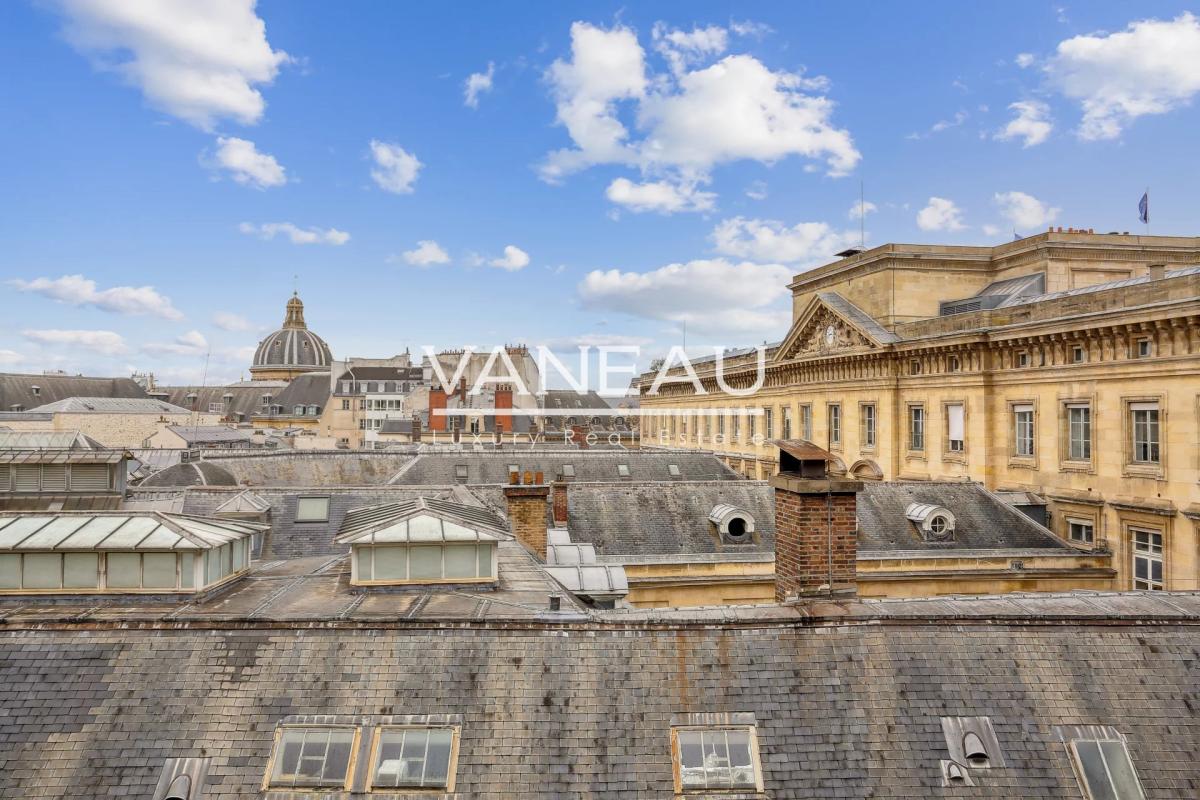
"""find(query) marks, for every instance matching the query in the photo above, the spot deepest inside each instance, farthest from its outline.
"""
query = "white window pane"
(312, 509)
(486, 552)
(42, 571)
(954, 421)
(437, 758)
(187, 570)
(10, 571)
(691, 758)
(391, 563)
(81, 570)
(239, 555)
(363, 563)
(1120, 771)
(740, 762)
(460, 560)
(424, 563)
(158, 571)
(124, 570)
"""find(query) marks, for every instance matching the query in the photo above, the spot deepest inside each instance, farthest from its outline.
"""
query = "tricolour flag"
(1144, 208)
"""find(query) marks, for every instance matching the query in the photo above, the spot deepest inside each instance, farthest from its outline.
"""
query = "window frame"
(1151, 557)
(351, 764)
(299, 501)
(755, 759)
(949, 453)
(911, 440)
(1068, 407)
(868, 425)
(806, 422)
(1085, 784)
(833, 425)
(357, 551)
(376, 746)
(1129, 432)
(1019, 437)
(1070, 522)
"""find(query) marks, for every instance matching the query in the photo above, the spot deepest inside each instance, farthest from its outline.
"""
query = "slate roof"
(847, 700)
(17, 389)
(192, 473)
(982, 520)
(303, 390)
(309, 468)
(657, 519)
(109, 405)
(589, 465)
(238, 401)
(860, 318)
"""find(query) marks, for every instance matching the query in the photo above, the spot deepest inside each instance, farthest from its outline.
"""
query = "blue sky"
(167, 173)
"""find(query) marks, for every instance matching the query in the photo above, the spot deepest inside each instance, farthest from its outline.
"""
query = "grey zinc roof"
(649, 519)
(93, 705)
(239, 400)
(982, 520)
(203, 434)
(18, 389)
(47, 440)
(117, 530)
(192, 473)
(589, 465)
(860, 318)
(303, 390)
(110, 405)
(309, 468)
(1098, 287)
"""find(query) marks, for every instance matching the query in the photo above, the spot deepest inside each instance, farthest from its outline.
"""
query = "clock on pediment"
(831, 336)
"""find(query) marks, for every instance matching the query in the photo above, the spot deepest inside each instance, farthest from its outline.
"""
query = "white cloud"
(1024, 211)
(514, 259)
(860, 210)
(200, 62)
(426, 254)
(227, 321)
(712, 296)
(771, 240)
(756, 30)
(76, 290)
(1025, 60)
(246, 165)
(269, 230)
(757, 190)
(940, 215)
(476, 84)
(665, 197)
(683, 48)
(191, 343)
(942, 125)
(103, 342)
(395, 168)
(1032, 123)
(569, 343)
(991, 230)
(1151, 67)
(690, 121)
(10, 357)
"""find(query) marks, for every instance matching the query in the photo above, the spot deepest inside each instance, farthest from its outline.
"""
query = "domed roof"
(192, 473)
(293, 347)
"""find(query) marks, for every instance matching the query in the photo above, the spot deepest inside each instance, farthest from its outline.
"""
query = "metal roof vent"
(974, 750)
(936, 522)
(955, 774)
(972, 741)
(182, 779)
(734, 524)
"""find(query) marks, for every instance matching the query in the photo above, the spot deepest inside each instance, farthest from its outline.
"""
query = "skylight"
(716, 759)
(312, 756)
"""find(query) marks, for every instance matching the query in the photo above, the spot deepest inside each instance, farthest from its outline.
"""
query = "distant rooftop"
(110, 405)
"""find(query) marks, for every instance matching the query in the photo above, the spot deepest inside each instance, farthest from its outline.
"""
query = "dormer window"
(716, 759)
(37, 391)
(311, 757)
(623, 470)
(410, 757)
(934, 522)
(735, 525)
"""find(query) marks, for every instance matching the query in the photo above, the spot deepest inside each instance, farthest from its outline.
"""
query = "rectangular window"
(1106, 770)
(1023, 434)
(623, 470)
(955, 428)
(413, 757)
(834, 413)
(312, 756)
(1079, 432)
(1080, 530)
(868, 426)
(81, 571)
(1147, 559)
(751, 425)
(1077, 354)
(460, 473)
(1022, 359)
(716, 759)
(312, 509)
(721, 422)
(1145, 428)
(806, 423)
(916, 428)
(736, 427)
(404, 563)
(768, 423)
(345, 404)
(1142, 348)
(787, 422)
(41, 571)
(568, 470)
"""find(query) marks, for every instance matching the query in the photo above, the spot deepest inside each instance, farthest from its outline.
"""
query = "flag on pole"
(1144, 208)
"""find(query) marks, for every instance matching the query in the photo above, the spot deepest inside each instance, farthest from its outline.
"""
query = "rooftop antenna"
(196, 402)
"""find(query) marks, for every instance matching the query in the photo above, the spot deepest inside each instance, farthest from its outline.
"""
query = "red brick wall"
(558, 499)
(802, 546)
(527, 516)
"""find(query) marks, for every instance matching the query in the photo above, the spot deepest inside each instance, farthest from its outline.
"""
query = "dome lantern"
(292, 350)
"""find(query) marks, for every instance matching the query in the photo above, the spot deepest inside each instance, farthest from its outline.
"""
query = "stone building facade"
(1066, 365)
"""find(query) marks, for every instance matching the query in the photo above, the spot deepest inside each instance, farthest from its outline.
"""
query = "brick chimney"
(579, 435)
(504, 403)
(437, 401)
(558, 502)
(816, 538)
(527, 516)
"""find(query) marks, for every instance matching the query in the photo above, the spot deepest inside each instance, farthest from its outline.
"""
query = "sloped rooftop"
(587, 465)
(422, 519)
(110, 405)
(62, 531)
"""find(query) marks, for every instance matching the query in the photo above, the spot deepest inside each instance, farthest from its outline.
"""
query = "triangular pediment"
(824, 329)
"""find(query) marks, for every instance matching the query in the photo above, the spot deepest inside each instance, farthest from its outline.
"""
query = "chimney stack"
(1157, 271)
(558, 501)
(527, 516)
(816, 529)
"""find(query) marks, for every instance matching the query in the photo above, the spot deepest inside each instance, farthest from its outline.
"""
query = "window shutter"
(1143, 406)
(54, 477)
(28, 478)
(89, 477)
(1023, 408)
(954, 420)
